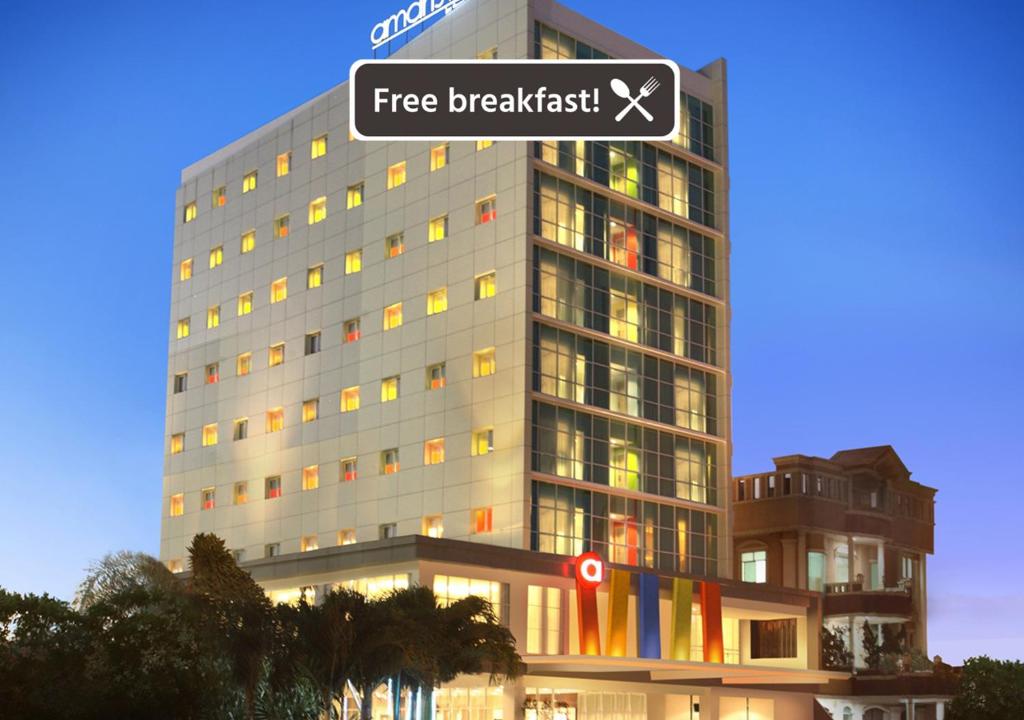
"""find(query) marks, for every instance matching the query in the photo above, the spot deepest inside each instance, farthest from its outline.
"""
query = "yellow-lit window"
(284, 163)
(184, 328)
(483, 441)
(486, 210)
(220, 197)
(354, 196)
(190, 212)
(310, 410)
(279, 290)
(389, 389)
(438, 229)
(394, 245)
(349, 469)
(177, 443)
(481, 520)
(488, 54)
(433, 451)
(275, 420)
(318, 148)
(241, 493)
(311, 477)
(175, 566)
(485, 286)
(318, 210)
(209, 435)
(249, 182)
(281, 226)
(315, 276)
(392, 316)
(185, 270)
(177, 506)
(353, 262)
(389, 464)
(437, 301)
(396, 175)
(245, 303)
(212, 317)
(483, 363)
(433, 526)
(243, 364)
(438, 156)
(248, 241)
(276, 356)
(216, 256)
(347, 537)
(308, 543)
(483, 144)
(350, 399)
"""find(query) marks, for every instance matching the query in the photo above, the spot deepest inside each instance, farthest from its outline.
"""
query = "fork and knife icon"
(620, 88)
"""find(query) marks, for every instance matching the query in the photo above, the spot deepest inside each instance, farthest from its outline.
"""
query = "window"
(543, 620)
(272, 550)
(437, 301)
(272, 487)
(353, 262)
(312, 343)
(315, 276)
(481, 520)
(392, 316)
(185, 270)
(486, 210)
(177, 506)
(209, 435)
(212, 373)
(483, 441)
(347, 537)
(212, 317)
(436, 376)
(350, 399)
(208, 499)
(433, 451)
(389, 462)
(389, 389)
(241, 431)
(433, 526)
(396, 175)
(249, 182)
(248, 241)
(275, 420)
(815, 571)
(180, 382)
(241, 493)
(349, 469)
(354, 196)
(318, 210)
(308, 543)
(190, 212)
(243, 364)
(351, 328)
(485, 286)
(245, 303)
(279, 290)
(216, 256)
(177, 443)
(488, 54)
(184, 328)
(311, 477)
(394, 245)
(310, 410)
(438, 157)
(773, 638)
(754, 566)
(281, 226)
(284, 163)
(388, 530)
(437, 229)
(483, 144)
(483, 363)
(448, 589)
(220, 197)
(318, 148)
(238, 555)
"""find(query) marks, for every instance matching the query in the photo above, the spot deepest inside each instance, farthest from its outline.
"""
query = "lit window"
(354, 196)
(284, 163)
(486, 210)
(312, 343)
(272, 487)
(180, 382)
(351, 136)
(544, 620)
(243, 364)
(310, 410)
(433, 526)
(438, 229)
(349, 469)
(389, 461)
(754, 566)
(350, 399)
(623, 244)
(208, 496)
(175, 566)
(315, 276)
(318, 210)
(352, 330)
(212, 317)
(438, 157)
(177, 443)
(347, 537)
(241, 494)
(389, 389)
(396, 175)
(308, 543)
(209, 435)
(488, 54)
(185, 270)
(394, 245)
(279, 290)
(485, 286)
(483, 441)
(436, 376)
(249, 182)
(482, 520)
(437, 301)
(392, 316)
(318, 148)
(190, 212)
(275, 420)
(276, 356)
(433, 451)
(241, 429)
(353, 262)
(212, 373)
(483, 144)
(177, 507)
(248, 241)
(311, 477)
(220, 197)
(245, 303)
(216, 257)
(281, 226)
(483, 363)
(184, 328)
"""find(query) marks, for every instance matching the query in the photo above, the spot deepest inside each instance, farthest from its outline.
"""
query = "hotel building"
(464, 364)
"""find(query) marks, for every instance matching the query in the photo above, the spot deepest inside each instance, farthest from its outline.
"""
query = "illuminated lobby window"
(180, 382)
(347, 537)
(220, 197)
(241, 429)
(311, 477)
(349, 469)
(754, 566)
(392, 316)
(396, 175)
(185, 270)
(350, 399)
(275, 420)
(433, 451)
(448, 589)
(312, 343)
(433, 526)
(437, 229)
(318, 148)
(377, 587)
(243, 364)
(241, 493)
(318, 210)
(394, 245)
(281, 226)
(543, 620)
(212, 317)
(177, 506)
(249, 182)
(389, 464)
(437, 301)
(190, 212)
(279, 290)
(389, 389)
(310, 410)
(483, 144)
(216, 257)
(208, 499)
(353, 262)
(485, 286)
(438, 157)
(248, 242)
(272, 487)
(245, 303)
(483, 363)
(351, 328)
(212, 373)
(354, 196)
(486, 210)
(284, 163)
(315, 276)
(481, 520)
(184, 328)
(436, 376)
(483, 441)
(209, 435)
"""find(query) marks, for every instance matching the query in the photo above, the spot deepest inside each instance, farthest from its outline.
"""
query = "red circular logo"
(589, 569)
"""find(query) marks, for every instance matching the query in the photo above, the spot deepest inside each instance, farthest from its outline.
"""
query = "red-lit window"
(389, 462)
(212, 373)
(436, 376)
(273, 487)
(486, 210)
(209, 501)
(623, 245)
(349, 469)
(625, 540)
(482, 520)
(351, 331)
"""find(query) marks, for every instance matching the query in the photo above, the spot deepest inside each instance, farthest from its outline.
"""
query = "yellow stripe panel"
(618, 613)
(682, 600)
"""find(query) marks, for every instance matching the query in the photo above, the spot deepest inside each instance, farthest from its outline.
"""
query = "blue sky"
(877, 156)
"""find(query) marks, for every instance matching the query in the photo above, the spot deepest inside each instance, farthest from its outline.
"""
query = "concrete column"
(789, 562)
(881, 563)
(850, 560)
(940, 710)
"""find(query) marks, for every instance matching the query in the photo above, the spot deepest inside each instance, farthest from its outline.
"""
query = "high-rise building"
(458, 364)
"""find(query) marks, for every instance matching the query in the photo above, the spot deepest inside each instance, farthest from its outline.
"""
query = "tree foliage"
(988, 690)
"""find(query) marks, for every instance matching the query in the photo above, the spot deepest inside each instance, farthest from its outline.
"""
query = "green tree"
(835, 655)
(121, 572)
(988, 690)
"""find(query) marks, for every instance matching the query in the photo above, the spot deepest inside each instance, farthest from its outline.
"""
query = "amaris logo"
(404, 20)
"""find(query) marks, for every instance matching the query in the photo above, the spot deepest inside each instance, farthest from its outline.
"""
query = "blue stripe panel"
(648, 634)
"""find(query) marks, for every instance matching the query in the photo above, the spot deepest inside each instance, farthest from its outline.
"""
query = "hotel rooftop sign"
(417, 13)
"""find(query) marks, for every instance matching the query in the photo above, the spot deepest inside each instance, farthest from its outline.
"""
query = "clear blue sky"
(877, 153)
